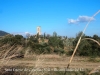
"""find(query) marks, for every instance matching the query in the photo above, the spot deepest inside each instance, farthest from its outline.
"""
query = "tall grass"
(5, 55)
(10, 53)
(92, 40)
(80, 39)
(37, 65)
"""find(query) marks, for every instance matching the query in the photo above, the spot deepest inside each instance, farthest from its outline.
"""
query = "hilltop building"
(39, 30)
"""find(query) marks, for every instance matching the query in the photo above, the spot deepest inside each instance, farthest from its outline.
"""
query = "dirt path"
(52, 61)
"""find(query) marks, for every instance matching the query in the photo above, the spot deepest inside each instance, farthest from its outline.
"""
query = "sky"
(66, 17)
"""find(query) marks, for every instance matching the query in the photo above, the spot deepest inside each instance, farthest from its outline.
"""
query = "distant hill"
(2, 33)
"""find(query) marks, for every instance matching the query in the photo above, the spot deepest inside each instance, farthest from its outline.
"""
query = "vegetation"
(46, 44)
(55, 44)
(11, 39)
(37, 44)
(87, 47)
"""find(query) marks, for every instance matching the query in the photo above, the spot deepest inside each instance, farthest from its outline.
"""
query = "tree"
(87, 47)
(11, 39)
(96, 37)
(53, 41)
(56, 42)
(84, 47)
(18, 37)
(54, 34)
(27, 34)
(48, 36)
(77, 38)
(61, 44)
(44, 35)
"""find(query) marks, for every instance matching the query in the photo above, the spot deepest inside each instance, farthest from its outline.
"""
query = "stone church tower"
(39, 30)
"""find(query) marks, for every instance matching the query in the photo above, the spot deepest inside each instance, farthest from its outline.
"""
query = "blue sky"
(66, 17)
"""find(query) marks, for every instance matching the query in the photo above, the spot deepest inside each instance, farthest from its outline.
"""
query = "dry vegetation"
(10, 58)
(47, 56)
(47, 61)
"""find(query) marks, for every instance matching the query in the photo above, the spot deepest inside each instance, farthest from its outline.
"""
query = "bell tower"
(39, 30)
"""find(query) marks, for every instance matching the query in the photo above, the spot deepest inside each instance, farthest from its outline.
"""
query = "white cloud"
(72, 21)
(80, 19)
(85, 18)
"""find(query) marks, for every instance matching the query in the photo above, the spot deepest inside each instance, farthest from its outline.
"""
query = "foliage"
(59, 51)
(55, 44)
(11, 39)
(87, 47)
(27, 34)
(44, 35)
(55, 41)
(54, 34)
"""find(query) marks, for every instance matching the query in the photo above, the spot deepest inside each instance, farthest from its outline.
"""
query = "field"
(51, 62)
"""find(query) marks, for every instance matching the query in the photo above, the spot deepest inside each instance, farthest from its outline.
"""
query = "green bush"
(59, 51)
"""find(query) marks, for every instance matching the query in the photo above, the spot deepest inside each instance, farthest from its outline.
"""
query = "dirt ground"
(51, 61)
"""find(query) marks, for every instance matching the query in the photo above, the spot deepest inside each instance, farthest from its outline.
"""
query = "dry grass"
(50, 56)
(10, 53)
(38, 64)
(54, 61)
(58, 61)
(5, 55)
(80, 40)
